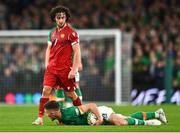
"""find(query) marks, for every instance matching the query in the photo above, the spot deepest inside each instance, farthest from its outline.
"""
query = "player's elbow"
(92, 104)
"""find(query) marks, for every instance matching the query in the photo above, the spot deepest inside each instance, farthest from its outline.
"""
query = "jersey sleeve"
(49, 42)
(74, 38)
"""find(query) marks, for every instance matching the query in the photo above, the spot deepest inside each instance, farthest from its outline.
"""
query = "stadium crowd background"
(154, 25)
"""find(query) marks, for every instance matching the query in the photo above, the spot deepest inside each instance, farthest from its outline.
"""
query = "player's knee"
(116, 120)
(123, 122)
(46, 91)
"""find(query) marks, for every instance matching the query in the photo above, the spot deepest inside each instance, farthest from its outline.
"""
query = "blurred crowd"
(153, 24)
(22, 67)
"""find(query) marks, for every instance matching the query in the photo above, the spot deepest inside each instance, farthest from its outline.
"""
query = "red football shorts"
(54, 78)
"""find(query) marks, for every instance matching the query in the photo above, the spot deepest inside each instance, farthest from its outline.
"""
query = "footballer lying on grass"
(90, 114)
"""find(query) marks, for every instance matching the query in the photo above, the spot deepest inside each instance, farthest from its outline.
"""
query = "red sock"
(41, 106)
(77, 102)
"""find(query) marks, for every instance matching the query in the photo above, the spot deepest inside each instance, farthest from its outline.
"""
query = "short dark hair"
(51, 105)
(59, 9)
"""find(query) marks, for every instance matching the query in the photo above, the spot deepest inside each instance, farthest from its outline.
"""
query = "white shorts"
(77, 77)
(105, 112)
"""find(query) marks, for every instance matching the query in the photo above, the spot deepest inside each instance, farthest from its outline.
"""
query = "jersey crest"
(62, 35)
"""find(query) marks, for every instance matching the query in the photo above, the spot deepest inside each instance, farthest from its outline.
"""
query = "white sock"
(156, 115)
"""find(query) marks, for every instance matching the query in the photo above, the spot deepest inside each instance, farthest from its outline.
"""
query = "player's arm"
(47, 55)
(59, 122)
(80, 67)
(49, 44)
(92, 107)
(77, 65)
(77, 56)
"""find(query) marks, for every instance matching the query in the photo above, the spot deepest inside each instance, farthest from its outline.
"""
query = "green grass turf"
(18, 118)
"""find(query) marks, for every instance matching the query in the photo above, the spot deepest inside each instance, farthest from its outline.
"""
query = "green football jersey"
(73, 116)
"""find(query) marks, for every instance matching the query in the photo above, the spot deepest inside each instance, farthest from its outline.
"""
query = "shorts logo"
(62, 35)
(68, 88)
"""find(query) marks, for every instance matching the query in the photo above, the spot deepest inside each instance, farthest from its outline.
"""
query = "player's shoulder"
(70, 28)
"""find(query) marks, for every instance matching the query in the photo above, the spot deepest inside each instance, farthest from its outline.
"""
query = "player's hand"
(58, 122)
(99, 122)
(71, 74)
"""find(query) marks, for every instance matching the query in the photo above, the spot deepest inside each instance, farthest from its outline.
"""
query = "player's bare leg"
(44, 98)
(117, 119)
(77, 90)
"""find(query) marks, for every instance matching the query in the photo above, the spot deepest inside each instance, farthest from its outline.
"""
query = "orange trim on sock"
(144, 115)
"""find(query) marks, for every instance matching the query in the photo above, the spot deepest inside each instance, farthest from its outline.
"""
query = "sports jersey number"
(55, 42)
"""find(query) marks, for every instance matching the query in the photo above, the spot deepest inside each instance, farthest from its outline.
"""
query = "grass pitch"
(18, 118)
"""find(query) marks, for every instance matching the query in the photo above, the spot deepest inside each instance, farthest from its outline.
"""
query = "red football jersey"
(61, 52)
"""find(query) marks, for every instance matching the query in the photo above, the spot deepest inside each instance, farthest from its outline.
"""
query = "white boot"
(161, 115)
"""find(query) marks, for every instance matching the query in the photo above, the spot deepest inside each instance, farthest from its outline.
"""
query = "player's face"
(53, 113)
(60, 19)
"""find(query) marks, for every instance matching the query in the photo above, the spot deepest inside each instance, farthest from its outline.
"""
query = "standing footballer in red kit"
(63, 58)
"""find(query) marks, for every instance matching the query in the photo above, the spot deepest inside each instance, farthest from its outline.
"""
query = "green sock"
(133, 121)
(143, 115)
(60, 94)
(67, 99)
(79, 93)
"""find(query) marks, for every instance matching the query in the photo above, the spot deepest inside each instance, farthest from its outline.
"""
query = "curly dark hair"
(59, 9)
